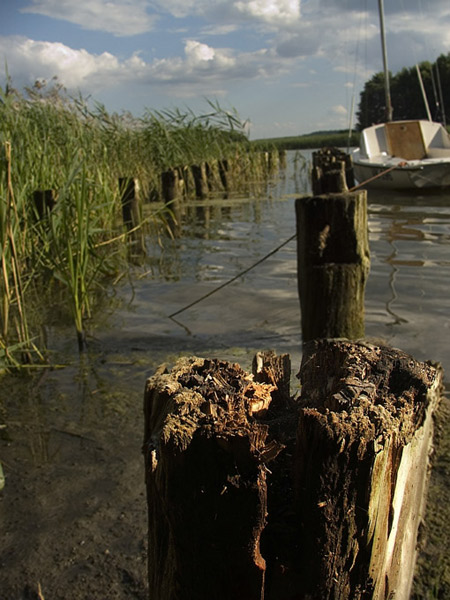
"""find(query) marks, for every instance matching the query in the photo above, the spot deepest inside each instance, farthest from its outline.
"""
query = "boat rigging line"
(234, 278)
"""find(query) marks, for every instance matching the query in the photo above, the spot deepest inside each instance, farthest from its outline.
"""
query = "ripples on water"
(407, 300)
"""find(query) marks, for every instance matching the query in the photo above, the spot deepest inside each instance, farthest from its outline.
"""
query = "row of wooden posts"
(254, 494)
(205, 179)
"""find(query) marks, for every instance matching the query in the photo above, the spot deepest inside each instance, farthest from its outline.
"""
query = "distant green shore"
(317, 139)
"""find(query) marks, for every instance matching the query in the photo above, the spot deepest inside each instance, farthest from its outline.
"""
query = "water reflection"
(410, 267)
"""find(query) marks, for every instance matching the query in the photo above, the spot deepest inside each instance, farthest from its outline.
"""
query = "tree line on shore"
(406, 94)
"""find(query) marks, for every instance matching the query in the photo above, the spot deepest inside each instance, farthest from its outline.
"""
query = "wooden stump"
(332, 171)
(319, 498)
(172, 187)
(200, 181)
(44, 201)
(131, 213)
(333, 264)
(206, 456)
(361, 468)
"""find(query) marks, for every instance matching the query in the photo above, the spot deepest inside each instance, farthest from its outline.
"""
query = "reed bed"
(61, 233)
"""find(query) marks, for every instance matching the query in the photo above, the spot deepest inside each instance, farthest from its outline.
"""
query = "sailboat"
(411, 154)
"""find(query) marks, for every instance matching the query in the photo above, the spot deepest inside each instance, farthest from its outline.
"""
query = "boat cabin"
(408, 140)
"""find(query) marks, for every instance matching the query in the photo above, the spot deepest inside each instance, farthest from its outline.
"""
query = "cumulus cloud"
(119, 17)
(29, 60)
(203, 65)
(339, 110)
(270, 11)
(132, 17)
(267, 11)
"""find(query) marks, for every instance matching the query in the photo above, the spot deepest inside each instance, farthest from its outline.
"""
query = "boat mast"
(387, 90)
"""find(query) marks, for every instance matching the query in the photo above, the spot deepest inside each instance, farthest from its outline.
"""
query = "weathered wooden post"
(131, 210)
(44, 201)
(206, 481)
(172, 186)
(224, 167)
(332, 171)
(333, 264)
(254, 494)
(200, 182)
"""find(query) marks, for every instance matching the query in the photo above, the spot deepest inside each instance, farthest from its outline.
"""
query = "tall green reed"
(52, 141)
(11, 280)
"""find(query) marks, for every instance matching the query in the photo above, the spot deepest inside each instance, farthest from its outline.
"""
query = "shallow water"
(407, 299)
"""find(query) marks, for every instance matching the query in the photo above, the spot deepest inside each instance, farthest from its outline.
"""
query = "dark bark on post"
(332, 171)
(223, 174)
(172, 186)
(44, 202)
(333, 264)
(334, 516)
(201, 185)
(131, 211)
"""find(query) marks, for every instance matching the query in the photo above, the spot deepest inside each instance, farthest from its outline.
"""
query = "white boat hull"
(410, 176)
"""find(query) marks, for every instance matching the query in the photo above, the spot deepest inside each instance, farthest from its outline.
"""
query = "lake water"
(407, 294)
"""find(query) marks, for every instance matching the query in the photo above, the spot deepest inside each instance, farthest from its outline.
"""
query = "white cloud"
(29, 60)
(131, 17)
(194, 73)
(119, 17)
(197, 52)
(236, 13)
(339, 110)
(276, 12)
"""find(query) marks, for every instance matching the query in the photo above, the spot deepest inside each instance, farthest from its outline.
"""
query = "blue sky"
(286, 66)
